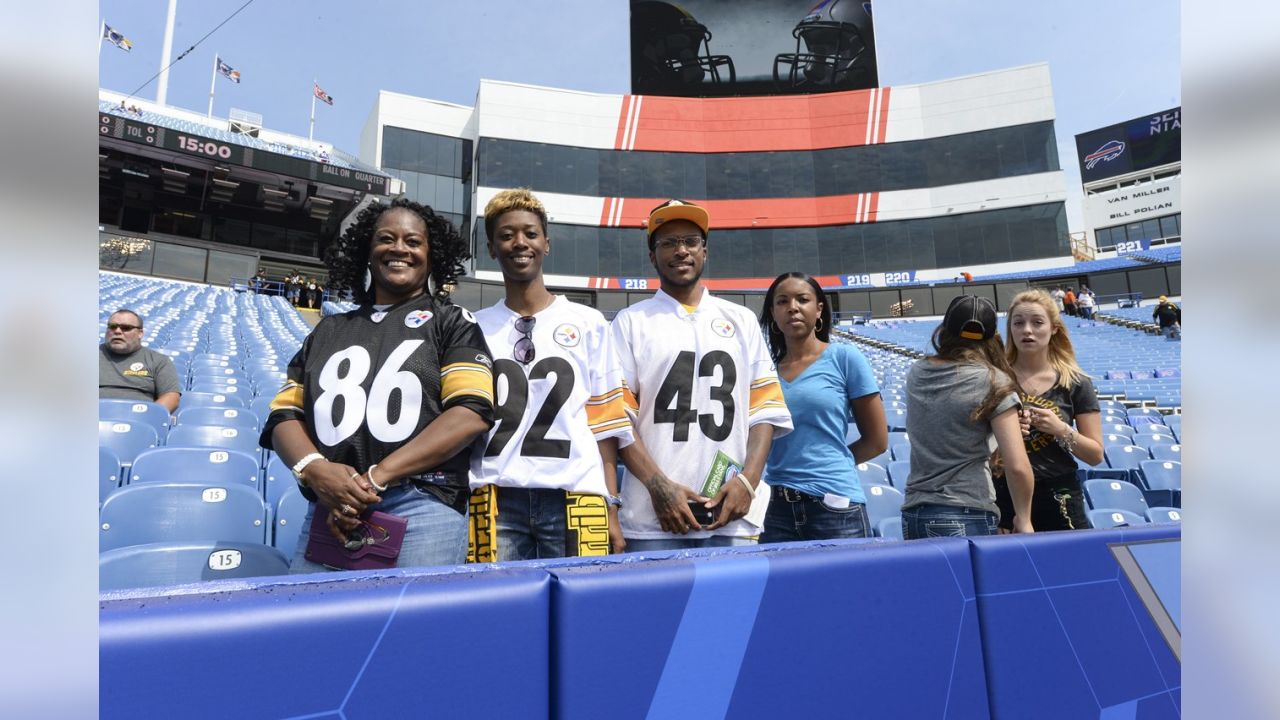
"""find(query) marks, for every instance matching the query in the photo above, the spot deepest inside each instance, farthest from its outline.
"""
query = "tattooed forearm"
(662, 492)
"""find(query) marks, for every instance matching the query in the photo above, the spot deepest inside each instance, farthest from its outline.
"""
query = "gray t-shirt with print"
(949, 451)
(142, 375)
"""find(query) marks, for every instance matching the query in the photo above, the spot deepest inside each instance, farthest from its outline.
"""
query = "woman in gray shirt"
(961, 405)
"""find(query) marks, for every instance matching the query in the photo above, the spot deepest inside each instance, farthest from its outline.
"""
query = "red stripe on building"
(884, 114)
(760, 212)
(873, 207)
(751, 124)
(622, 121)
(606, 206)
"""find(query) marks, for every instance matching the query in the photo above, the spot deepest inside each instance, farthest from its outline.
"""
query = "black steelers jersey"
(367, 381)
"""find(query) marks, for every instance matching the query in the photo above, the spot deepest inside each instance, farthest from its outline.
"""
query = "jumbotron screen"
(718, 48)
(1138, 144)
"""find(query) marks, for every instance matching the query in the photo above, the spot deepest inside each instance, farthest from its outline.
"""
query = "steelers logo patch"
(467, 314)
(567, 335)
(417, 318)
(377, 316)
(136, 366)
(723, 328)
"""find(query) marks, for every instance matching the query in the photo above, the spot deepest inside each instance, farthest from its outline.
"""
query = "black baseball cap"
(971, 317)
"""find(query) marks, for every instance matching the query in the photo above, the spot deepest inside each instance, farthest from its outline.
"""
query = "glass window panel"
(995, 239)
(806, 251)
(610, 303)
(179, 261)
(1151, 229)
(391, 150)
(850, 301)
(921, 235)
(873, 250)
(1169, 226)
(882, 301)
(969, 235)
(630, 175)
(468, 295)
(695, 175)
(897, 246)
(610, 185)
(920, 302)
(226, 265)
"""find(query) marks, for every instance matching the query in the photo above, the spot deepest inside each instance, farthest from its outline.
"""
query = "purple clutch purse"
(374, 545)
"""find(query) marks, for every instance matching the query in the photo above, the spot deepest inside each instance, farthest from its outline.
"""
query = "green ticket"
(723, 469)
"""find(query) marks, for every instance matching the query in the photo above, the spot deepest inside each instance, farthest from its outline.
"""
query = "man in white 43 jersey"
(704, 398)
(544, 480)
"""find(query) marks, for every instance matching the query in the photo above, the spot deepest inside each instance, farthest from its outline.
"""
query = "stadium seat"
(243, 392)
(108, 473)
(1117, 375)
(1174, 423)
(1164, 515)
(289, 522)
(899, 471)
(1124, 457)
(1166, 451)
(897, 419)
(883, 502)
(1168, 373)
(181, 512)
(1163, 482)
(872, 474)
(213, 436)
(1116, 405)
(200, 398)
(157, 564)
(132, 411)
(222, 417)
(195, 465)
(898, 436)
(1150, 440)
(1115, 494)
(1114, 440)
(1117, 429)
(1112, 518)
(902, 451)
(261, 405)
(126, 439)
(884, 459)
(890, 528)
(278, 479)
(1137, 416)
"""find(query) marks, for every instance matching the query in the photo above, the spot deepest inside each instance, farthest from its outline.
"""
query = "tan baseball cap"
(678, 210)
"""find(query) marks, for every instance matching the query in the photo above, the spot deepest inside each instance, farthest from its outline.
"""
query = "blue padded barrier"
(1064, 633)
(449, 643)
(799, 630)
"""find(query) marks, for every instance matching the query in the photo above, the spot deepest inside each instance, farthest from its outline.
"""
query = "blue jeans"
(679, 543)
(534, 523)
(926, 521)
(435, 533)
(808, 518)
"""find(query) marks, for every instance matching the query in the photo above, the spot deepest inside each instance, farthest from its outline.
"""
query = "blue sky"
(1109, 61)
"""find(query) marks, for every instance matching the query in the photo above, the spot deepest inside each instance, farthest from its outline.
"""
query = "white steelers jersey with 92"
(696, 383)
(551, 412)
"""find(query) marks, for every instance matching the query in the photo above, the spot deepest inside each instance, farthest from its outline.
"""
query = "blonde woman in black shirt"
(1062, 406)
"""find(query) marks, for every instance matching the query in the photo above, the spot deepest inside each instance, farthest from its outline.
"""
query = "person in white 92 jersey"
(544, 481)
(704, 398)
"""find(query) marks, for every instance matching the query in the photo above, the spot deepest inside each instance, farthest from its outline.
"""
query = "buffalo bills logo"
(417, 318)
(1108, 152)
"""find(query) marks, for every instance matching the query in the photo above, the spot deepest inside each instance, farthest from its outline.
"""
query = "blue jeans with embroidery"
(679, 543)
(808, 518)
(531, 523)
(435, 534)
(926, 521)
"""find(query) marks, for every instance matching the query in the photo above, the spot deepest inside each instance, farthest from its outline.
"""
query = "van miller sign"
(1134, 203)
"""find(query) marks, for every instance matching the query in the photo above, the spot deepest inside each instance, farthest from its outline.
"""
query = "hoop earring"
(817, 327)
(430, 290)
(368, 277)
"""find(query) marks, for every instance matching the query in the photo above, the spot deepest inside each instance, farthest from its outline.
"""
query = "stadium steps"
(879, 344)
(1147, 259)
(1138, 325)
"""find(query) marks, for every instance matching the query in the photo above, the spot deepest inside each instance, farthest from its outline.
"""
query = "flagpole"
(213, 81)
(311, 131)
(102, 33)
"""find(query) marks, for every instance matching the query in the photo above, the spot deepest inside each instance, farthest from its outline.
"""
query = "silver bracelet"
(1068, 441)
(374, 483)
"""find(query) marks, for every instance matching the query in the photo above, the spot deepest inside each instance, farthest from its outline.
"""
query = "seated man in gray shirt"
(128, 371)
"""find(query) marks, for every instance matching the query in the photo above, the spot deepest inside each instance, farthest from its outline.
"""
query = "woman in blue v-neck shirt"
(812, 473)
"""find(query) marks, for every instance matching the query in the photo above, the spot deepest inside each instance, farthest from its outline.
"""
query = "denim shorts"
(926, 521)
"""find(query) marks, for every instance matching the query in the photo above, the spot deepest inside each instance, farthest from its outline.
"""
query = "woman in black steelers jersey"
(382, 403)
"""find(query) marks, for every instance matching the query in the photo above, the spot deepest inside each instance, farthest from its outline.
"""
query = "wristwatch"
(302, 465)
(614, 500)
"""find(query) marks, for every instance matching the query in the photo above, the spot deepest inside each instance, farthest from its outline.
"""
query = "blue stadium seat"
(180, 512)
(108, 473)
(195, 465)
(289, 521)
(898, 436)
(883, 459)
(1166, 451)
(132, 411)
(890, 528)
(243, 392)
(1116, 405)
(278, 479)
(883, 502)
(1163, 481)
(126, 439)
(222, 417)
(1137, 416)
(261, 405)
(1112, 518)
(897, 418)
(1157, 515)
(1116, 440)
(1115, 494)
(208, 399)
(1168, 373)
(1150, 440)
(1124, 457)
(213, 436)
(872, 474)
(1174, 423)
(902, 451)
(1117, 429)
(157, 564)
(1117, 375)
(899, 471)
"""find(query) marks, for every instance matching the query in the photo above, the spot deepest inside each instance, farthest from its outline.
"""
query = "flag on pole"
(321, 95)
(228, 72)
(116, 38)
